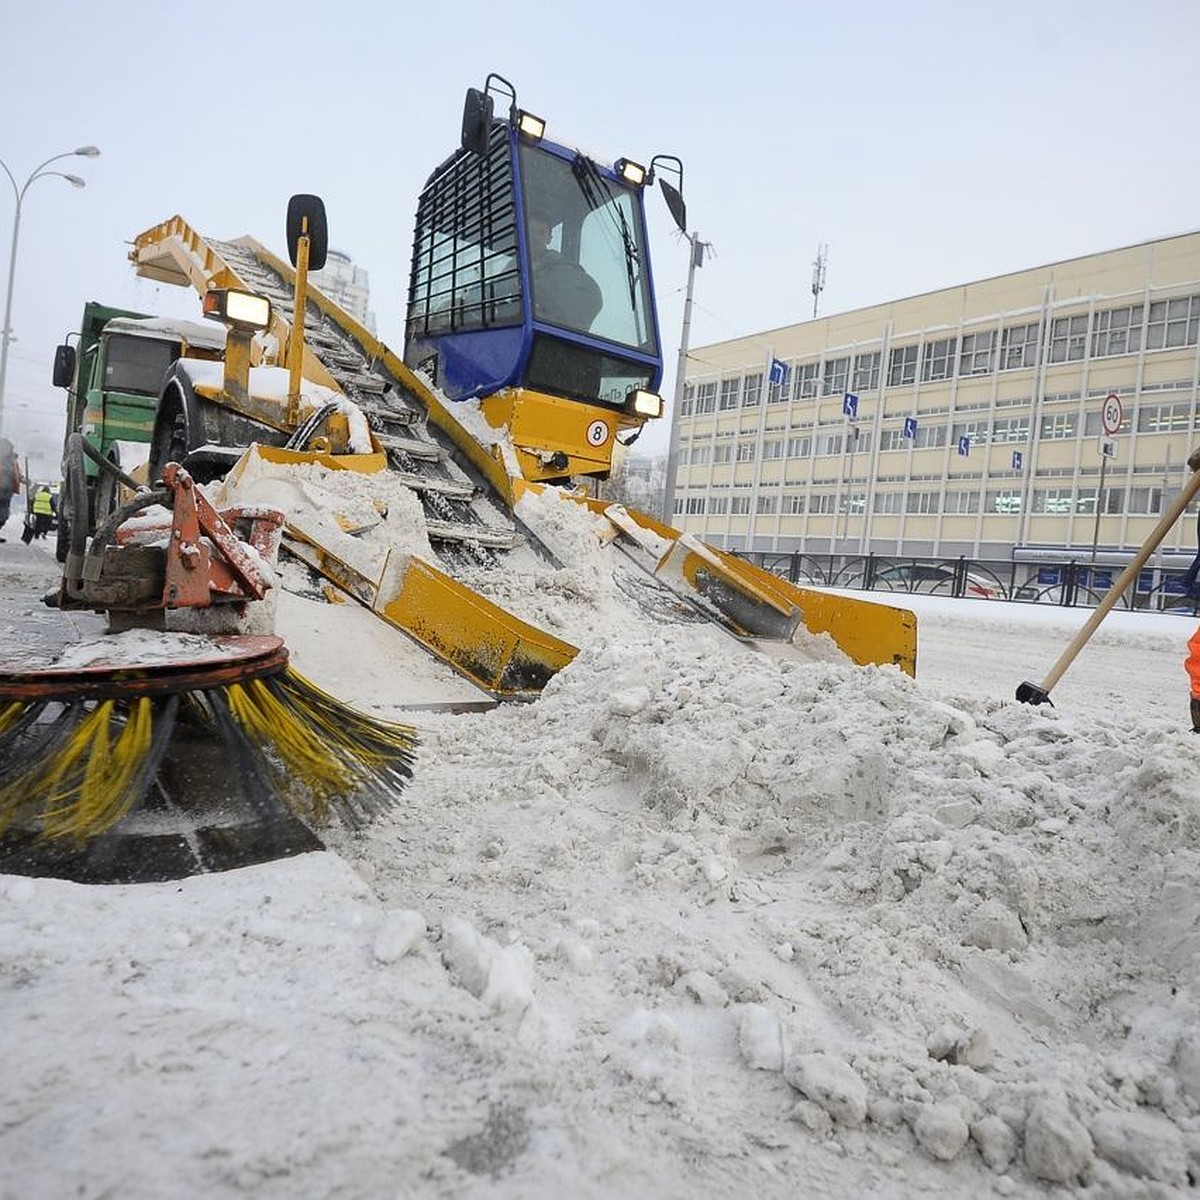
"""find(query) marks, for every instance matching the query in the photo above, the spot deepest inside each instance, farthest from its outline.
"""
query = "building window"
(700, 454)
(977, 431)
(1068, 338)
(1008, 429)
(1114, 501)
(1162, 418)
(925, 503)
(799, 447)
(929, 437)
(1145, 501)
(779, 393)
(837, 375)
(723, 453)
(938, 361)
(1117, 331)
(706, 398)
(793, 504)
(766, 505)
(960, 502)
(807, 380)
(902, 365)
(1019, 346)
(978, 353)
(888, 502)
(1059, 426)
(689, 400)
(826, 503)
(739, 506)
(773, 448)
(1173, 323)
(892, 439)
(1055, 502)
(718, 505)
(1005, 502)
(745, 451)
(695, 505)
(827, 443)
(752, 391)
(866, 372)
(729, 393)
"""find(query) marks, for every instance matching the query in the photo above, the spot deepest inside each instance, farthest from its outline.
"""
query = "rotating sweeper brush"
(151, 754)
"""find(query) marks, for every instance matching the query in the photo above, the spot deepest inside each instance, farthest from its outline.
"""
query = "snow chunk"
(500, 976)
(940, 1131)
(831, 1083)
(996, 1141)
(399, 935)
(761, 1038)
(1143, 1143)
(1057, 1146)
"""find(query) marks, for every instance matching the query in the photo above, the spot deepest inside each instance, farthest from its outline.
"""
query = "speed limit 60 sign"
(1110, 414)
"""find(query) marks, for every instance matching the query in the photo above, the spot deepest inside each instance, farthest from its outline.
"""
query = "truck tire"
(72, 503)
(169, 442)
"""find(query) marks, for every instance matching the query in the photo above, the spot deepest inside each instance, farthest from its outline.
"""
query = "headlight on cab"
(645, 404)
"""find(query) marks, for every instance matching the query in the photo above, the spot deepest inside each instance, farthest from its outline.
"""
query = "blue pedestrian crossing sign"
(910, 427)
(850, 405)
(1018, 460)
(964, 445)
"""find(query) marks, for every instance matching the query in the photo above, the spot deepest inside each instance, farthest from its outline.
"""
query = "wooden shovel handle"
(1117, 590)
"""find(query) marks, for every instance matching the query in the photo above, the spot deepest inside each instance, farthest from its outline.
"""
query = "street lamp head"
(75, 181)
(88, 152)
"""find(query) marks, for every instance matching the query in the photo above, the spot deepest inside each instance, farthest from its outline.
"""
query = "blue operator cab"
(531, 289)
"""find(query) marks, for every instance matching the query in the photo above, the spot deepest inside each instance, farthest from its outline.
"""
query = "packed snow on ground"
(697, 923)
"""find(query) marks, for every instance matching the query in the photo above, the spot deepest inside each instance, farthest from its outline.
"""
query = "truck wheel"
(72, 503)
(170, 440)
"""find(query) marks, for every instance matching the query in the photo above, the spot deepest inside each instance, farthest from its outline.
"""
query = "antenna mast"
(818, 282)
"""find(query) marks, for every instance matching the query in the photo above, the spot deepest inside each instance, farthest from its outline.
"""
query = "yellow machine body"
(518, 440)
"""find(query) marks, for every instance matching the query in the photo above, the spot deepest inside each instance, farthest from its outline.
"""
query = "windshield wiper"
(596, 191)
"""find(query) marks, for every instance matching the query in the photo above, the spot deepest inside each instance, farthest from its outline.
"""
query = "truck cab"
(113, 381)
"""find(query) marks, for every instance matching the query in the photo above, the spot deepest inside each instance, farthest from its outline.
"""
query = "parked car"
(928, 577)
(1037, 593)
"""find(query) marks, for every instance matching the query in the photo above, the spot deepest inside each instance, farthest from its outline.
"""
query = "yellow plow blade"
(751, 602)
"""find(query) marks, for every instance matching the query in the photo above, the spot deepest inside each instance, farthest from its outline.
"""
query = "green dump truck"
(113, 379)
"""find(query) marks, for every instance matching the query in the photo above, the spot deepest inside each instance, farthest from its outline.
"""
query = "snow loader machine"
(532, 352)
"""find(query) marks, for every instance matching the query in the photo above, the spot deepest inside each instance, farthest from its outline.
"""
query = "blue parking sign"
(850, 404)
(1018, 460)
(964, 445)
(910, 427)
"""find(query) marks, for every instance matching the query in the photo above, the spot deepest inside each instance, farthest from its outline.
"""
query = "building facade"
(969, 421)
(347, 285)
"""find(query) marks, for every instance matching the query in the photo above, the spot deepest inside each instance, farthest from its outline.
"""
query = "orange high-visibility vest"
(1192, 663)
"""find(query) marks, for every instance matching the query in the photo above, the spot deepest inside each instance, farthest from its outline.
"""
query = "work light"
(241, 310)
(646, 404)
(531, 128)
(632, 173)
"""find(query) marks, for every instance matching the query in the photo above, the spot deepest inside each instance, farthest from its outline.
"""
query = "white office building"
(347, 285)
(1054, 407)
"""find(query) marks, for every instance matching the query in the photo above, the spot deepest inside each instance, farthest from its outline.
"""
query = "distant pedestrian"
(10, 479)
(44, 509)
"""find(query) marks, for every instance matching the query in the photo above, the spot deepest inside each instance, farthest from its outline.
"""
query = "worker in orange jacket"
(1192, 663)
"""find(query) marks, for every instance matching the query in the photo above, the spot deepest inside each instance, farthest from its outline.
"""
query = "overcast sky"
(927, 143)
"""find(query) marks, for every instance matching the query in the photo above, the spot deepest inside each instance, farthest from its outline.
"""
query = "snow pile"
(968, 928)
(697, 922)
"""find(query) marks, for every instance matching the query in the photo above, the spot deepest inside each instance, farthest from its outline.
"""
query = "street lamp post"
(38, 172)
(696, 250)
